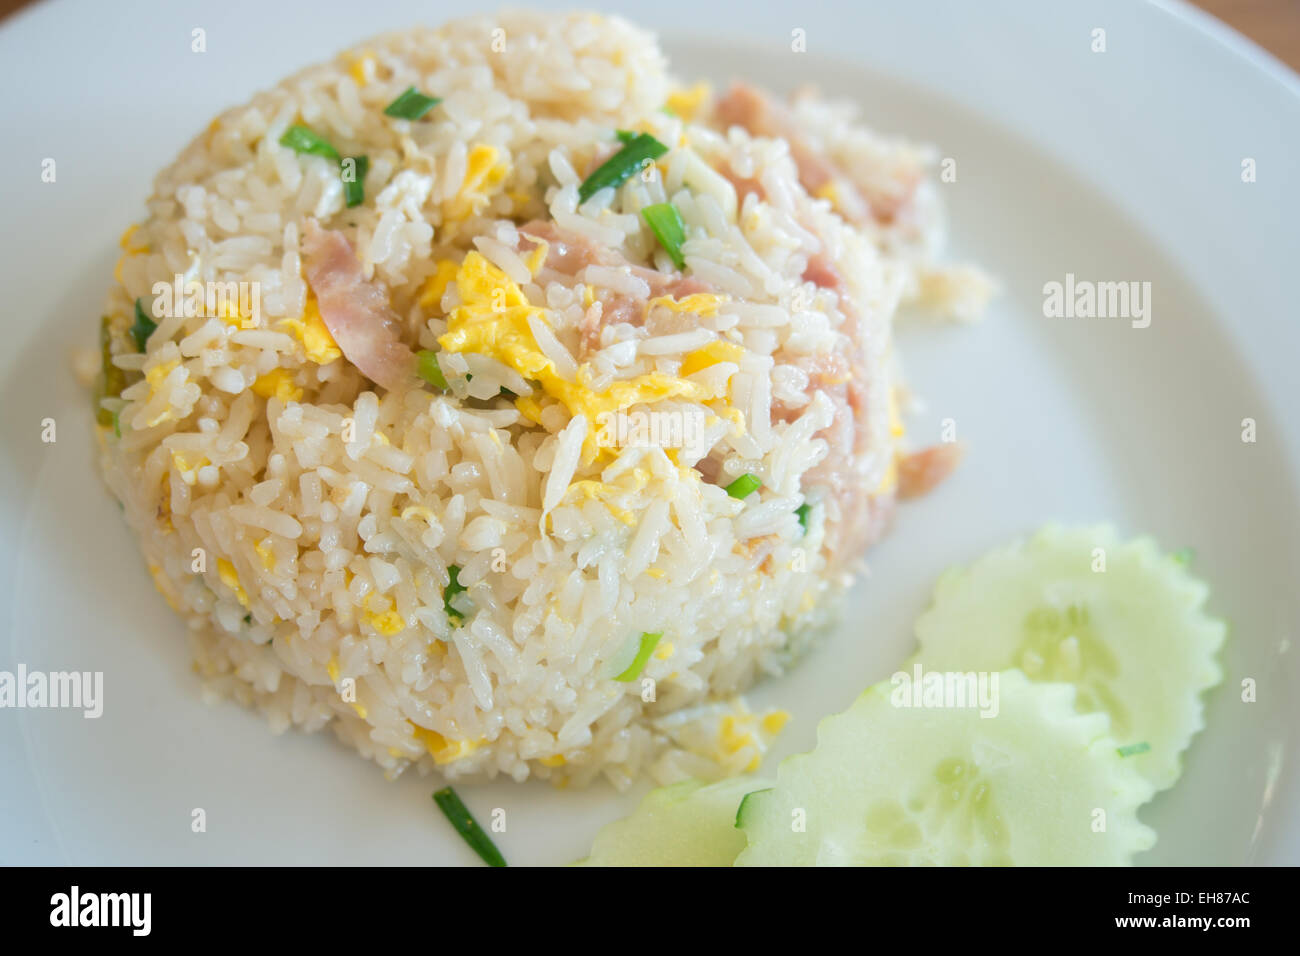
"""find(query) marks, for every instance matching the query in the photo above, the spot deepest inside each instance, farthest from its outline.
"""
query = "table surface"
(1273, 24)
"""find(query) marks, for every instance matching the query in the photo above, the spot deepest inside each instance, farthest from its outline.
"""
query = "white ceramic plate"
(1122, 165)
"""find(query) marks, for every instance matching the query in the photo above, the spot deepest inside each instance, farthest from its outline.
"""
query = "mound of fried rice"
(475, 578)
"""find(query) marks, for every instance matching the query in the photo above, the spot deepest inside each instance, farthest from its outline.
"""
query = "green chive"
(459, 816)
(1184, 556)
(744, 802)
(302, 139)
(117, 423)
(624, 136)
(744, 486)
(426, 366)
(802, 512)
(453, 588)
(354, 189)
(143, 328)
(666, 223)
(411, 105)
(1132, 750)
(642, 148)
(648, 642)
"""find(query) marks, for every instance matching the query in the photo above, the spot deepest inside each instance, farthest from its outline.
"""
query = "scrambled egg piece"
(279, 383)
(266, 556)
(484, 175)
(435, 287)
(686, 103)
(155, 376)
(704, 304)
(710, 355)
(387, 622)
(829, 191)
(312, 332)
(442, 750)
(492, 320)
(130, 248)
(188, 465)
(594, 490)
(230, 578)
(555, 760)
(362, 68)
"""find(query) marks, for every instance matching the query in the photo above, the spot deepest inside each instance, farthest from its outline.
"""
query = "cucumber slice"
(688, 824)
(1133, 638)
(893, 785)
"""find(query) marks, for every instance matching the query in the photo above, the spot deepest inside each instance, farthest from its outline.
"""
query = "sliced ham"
(355, 310)
(568, 253)
(920, 472)
(856, 201)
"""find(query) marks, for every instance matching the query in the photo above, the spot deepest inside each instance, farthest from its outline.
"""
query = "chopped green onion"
(450, 591)
(648, 641)
(248, 618)
(1132, 750)
(426, 366)
(666, 223)
(459, 816)
(744, 486)
(117, 423)
(1184, 556)
(802, 512)
(740, 810)
(613, 172)
(143, 328)
(302, 139)
(354, 188)
(411, 105)
(624, 136)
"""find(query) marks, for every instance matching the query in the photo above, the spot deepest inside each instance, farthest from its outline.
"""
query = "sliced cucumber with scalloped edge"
(1122, 622)
(1037, 784)
(687, 824)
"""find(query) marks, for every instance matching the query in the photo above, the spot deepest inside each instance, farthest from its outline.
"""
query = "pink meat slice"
(759, 115)
(356, 310)
(920, 472)
(862, 516)
(568, 253)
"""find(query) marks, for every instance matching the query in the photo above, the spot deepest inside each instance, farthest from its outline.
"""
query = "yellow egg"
(483, 178)
(436, 285)
(387, 621)
(685, 103)
(442, 750)
(312, 332)
(278, 383)
(188, 464)
(710, 355)
(492, 320)
(362, 68)
(701, 303)
(230, 578)
(266, 555)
